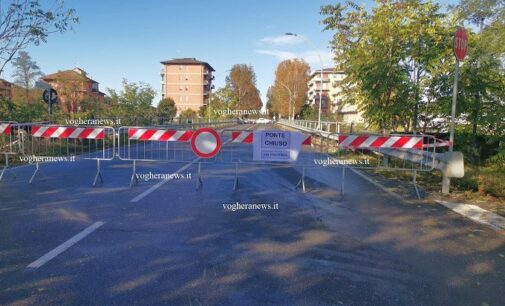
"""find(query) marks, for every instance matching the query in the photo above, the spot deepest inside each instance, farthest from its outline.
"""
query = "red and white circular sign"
(206, 143)
(460, 44)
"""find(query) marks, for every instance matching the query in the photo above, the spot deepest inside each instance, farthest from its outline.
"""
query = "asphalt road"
(173, 245)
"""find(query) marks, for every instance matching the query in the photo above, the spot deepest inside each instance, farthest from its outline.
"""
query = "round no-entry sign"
(206, 143)
(460, 44)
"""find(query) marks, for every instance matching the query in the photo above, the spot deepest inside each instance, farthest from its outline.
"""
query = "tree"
(242, 81)
(222, 104)
(26, 72)
(290, 87)
(166, 109)
(483, 83)
(26, 22)
(387, 54)
(134, 99)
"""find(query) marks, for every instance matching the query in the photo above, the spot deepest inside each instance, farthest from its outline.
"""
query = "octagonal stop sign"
(460, 44)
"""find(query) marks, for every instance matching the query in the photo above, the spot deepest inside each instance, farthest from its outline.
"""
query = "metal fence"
(8, 143)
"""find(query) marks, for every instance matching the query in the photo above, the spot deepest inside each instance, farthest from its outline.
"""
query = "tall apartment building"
(331, 95)
(188, 81)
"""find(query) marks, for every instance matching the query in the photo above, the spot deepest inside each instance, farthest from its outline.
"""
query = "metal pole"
(446, 182)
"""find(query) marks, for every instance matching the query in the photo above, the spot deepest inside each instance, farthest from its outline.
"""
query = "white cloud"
(281, 40)
(281, 55)
(311, 57)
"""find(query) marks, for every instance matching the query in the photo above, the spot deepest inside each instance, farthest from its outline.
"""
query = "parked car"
(262, 120)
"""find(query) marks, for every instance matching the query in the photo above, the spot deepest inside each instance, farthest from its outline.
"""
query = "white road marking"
(64, 246)
(161, 183)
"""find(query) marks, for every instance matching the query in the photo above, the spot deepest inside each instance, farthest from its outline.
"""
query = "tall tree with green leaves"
(387, 54)
(134, 99)
(166, 109)
(483, 73)
(26, 72)
(30, 22)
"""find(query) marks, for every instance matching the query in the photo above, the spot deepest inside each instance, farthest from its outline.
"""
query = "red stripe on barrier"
(249, 138)
(67, 132)
(85, 133)
(166, 136)
(234, 135)
(400, 142)
(100, 135)
(131, 132)
(358, 141)
(307, 142)
(341, 138)
(147, 135)
(7, 129)
(186, 136)
(379, 142)
(50, 130)
(419, 144)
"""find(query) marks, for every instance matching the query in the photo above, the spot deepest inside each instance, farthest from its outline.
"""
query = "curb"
(476, 214)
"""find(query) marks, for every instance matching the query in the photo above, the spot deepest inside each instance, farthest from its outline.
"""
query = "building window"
(187, 98)
(186, 88)
(180, 98)
(180, 67)
(180, 78)
(180, 88)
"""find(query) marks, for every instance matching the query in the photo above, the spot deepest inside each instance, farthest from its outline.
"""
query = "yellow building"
(187, 81)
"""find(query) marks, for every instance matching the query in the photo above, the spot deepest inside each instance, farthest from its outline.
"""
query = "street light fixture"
(321, 75)
(210, 90)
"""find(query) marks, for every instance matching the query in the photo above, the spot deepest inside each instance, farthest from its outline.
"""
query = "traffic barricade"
(154, 144)
(274, 148)
(9, 143)
(58, 143)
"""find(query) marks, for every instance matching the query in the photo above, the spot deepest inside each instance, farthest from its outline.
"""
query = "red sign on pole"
(460, 44)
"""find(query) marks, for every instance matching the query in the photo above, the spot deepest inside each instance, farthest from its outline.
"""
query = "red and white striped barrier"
(159, 135)
(248, 137)
(242, 136)
(64, 132)
(5, 128)
(373, 141)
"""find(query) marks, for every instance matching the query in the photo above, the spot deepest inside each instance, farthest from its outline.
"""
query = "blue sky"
(128, 39)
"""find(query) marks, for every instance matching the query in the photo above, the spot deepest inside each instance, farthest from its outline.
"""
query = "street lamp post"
(290, 100)
(210, 91)
(321, 75)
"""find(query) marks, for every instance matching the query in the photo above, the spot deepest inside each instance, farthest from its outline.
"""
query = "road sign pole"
(446, 181)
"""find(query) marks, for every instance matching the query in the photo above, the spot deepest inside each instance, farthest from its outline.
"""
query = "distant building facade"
(187, 81)
(7, 90)
(88, 88)
(332, 100)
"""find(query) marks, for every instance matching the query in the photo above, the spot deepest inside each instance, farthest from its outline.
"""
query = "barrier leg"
(302, 180)
(342, 184)
(4, 170)
(98, 173)
(37, 169)
(134, 174)
(199, 179)
(235, 184)
(414, 181)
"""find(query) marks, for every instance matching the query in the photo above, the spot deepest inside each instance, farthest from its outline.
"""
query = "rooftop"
(187, 61)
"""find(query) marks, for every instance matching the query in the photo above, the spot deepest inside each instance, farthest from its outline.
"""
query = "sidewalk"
(476, 214)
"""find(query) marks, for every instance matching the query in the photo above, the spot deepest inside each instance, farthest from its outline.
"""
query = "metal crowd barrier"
(8, 143)
(41, 143)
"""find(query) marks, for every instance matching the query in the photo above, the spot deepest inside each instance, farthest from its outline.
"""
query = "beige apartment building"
(331, 95)
(188, 81)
